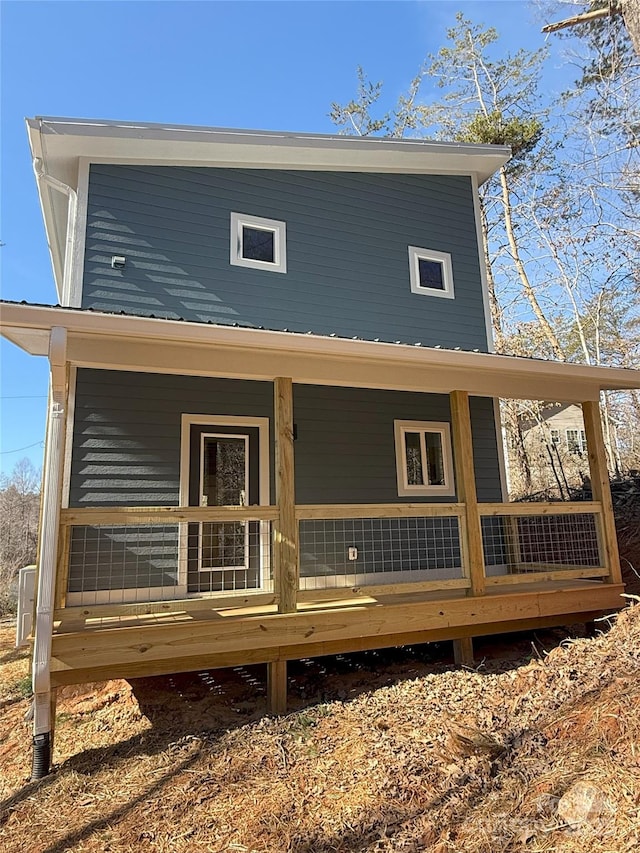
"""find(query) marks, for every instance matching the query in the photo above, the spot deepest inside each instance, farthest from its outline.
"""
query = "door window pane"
(224, 471)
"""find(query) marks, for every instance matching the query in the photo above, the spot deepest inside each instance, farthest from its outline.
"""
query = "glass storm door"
(223, 555)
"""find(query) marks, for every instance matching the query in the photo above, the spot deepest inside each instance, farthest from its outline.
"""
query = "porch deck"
(90, 644)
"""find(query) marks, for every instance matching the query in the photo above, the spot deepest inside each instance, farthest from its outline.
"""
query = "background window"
(430, 272)
(258, 243)
(423, 458)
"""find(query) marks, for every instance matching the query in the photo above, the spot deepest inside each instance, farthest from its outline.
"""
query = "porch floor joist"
(131, 647)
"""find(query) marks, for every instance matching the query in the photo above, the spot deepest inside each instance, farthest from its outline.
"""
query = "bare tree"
(19, 511)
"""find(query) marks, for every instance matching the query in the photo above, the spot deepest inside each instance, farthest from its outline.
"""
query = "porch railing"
(145, 555)
(530, 542)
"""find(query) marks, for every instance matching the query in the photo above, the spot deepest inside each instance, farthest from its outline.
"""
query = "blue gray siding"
(126, 452)
(126, 438)
(126, 445)
(347, 258)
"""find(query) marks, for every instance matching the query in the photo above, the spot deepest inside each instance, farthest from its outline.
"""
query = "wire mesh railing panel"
(228, 556)
(520, 544)
(347, 551)
(156, 562)
(120, 558)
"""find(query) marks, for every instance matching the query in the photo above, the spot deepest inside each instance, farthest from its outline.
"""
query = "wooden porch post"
(466, 486)
(277, 687)
(600, 486)
(285, 534)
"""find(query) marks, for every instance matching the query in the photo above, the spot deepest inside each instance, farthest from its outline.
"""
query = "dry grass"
(440, 760)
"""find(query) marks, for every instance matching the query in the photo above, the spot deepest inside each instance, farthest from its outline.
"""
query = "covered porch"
(325, 577)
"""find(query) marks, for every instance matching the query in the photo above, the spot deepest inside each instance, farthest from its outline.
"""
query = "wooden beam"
(463, 651)
(147, 646)
(601, 487)
(277, 687)
(466, 486)
(423, 510)
(285, 528)
(577, 611)
(123, 515)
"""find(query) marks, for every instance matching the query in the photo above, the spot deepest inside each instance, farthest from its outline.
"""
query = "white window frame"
(277, 228)
(443, 429)
(417, 254)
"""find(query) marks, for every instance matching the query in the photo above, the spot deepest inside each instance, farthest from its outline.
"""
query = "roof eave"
(29, 327)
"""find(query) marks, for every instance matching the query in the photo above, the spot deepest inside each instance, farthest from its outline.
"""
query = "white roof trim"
(344, 362)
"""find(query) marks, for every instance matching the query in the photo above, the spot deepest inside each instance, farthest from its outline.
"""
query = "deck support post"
(277, 687)
(466, 487)
(285, 529)
(43, 699)
(600, 486)
(463, 651)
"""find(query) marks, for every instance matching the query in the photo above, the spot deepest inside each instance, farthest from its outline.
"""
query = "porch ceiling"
(121, 342)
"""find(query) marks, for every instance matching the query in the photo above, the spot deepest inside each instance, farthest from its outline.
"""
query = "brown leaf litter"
(544, 756)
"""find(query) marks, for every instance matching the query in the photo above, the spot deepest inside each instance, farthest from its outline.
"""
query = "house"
(549, 452)
(273, 427)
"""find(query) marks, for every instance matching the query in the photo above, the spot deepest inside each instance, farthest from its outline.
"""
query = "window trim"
(443, 429)
(417, 254)
(279, 230)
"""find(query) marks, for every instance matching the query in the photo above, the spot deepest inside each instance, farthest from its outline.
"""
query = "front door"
(224, 471)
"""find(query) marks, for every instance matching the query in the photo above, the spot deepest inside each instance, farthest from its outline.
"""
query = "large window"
(423, 458)
(430, 272)
(258, 243)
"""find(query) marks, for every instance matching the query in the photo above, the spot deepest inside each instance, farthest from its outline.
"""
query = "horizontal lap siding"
(345, 451)
(126, 444)
(126, 437)
(126, 452)
(347, 257)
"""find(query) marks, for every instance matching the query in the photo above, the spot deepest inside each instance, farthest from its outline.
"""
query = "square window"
(430, 272)
(424, 462)
(258, 243)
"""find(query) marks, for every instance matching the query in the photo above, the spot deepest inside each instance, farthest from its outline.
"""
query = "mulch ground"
(384, 751)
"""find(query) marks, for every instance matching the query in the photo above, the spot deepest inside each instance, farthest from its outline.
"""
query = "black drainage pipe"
(41, 756)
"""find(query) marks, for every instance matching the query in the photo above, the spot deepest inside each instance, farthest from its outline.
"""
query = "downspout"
(72, 213)
(41, 671)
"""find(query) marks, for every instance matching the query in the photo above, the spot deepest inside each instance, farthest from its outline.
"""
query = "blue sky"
(266, 65)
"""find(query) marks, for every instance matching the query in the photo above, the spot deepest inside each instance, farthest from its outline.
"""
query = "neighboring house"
(554, 440)
(273, 421)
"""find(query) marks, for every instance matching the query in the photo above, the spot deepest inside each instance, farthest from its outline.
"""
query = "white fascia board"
(25, 325)
(127, 142)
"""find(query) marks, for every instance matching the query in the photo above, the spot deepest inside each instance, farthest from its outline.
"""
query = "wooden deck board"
(150, 645)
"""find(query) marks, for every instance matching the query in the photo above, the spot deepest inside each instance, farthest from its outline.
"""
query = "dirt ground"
(382, 751)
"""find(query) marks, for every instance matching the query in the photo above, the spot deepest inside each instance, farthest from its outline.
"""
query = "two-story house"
(273, 425)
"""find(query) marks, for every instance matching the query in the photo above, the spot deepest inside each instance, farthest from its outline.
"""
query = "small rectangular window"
(555, 436)
(424, 462)
(258, 243)
(430, 272)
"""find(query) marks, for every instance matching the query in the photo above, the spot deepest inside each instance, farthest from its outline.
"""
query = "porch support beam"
(466, 486)
(601, 487)
(463, 651)
(285, 528)
(277, 687)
